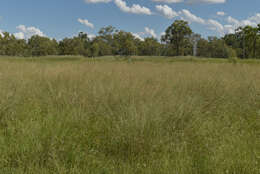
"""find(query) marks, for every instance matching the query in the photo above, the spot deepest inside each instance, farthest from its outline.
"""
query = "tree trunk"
(254, 48)
(177, 49)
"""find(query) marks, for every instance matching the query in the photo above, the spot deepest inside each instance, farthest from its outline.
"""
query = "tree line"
(178, 40)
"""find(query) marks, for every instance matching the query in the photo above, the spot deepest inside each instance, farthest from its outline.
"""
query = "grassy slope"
(118, 117)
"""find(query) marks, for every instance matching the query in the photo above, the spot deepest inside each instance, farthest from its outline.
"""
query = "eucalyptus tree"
(126, 43)
(177, 34)
(150, 47)
(194, 39)
(251, 34)
(42, 46)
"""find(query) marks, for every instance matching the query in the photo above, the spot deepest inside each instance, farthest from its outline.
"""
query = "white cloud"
(221, 13)
(91, 36)
(221, 28)
(192, 18)
(233, 23)
(19, 35)
(162, 34)
(184, 14)
(1, 33)
(166, 11)
(137, 36)
(86, 23)
(27, 32)
(147, 32)
(255, 18)
(136, 8)
(229, 29)
(97, 1)
(215, 25)
(188, 16)
(150, 32)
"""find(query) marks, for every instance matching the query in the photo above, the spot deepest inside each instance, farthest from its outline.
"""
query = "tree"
(106, 37)
(258, 42)
(42, 46)
(129, 48)
(251, 34)
(218, 48)
(150, 47)
(177, 40)
(235, 41)
(126, 43)
(176, 34)
(77, 45)
(194, 38)
(94, 50)
(104, 47)
(203, 48)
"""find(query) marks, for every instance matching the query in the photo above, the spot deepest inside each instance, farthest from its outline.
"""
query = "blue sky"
(65, 18)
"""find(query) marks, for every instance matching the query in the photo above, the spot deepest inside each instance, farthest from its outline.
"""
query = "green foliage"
(42, 46)
(178, 40)
(231, 53)
(129, 48)
(126, 43)
(75, 46)
(150, 47)
(176, 34)
(94, 49)
(245, 41)
(11, 46)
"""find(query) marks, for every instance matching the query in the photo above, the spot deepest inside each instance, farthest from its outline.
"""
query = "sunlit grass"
(144, 117)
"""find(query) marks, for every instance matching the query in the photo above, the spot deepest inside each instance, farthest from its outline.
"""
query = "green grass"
(154, 59)
(145, 117)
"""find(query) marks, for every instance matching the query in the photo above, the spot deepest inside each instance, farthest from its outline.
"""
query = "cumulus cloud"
(215, 25)
(136, 8)
(229, 27)
(245, 22)
(1, 33)
(184, 14)
(91, 36)
(255, 18)
(137, 36)
(86, 23)
(166, 11)
(19, 35)
(233, 24)
(162, 34)
(97, 1)
(221, 13)
(27, 32)
(150, 32)
(188, 16)
(147, 32)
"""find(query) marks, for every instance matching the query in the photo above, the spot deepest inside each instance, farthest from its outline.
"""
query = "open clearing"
(121, 117)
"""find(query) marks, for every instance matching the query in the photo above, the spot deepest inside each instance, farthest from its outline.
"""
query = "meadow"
(141, 116)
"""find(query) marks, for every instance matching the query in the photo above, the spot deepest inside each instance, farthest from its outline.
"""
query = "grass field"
(80, 116)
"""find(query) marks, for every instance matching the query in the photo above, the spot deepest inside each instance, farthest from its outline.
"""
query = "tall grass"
(130, 118)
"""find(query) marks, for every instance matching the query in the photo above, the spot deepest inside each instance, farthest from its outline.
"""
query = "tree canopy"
(178, 40)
